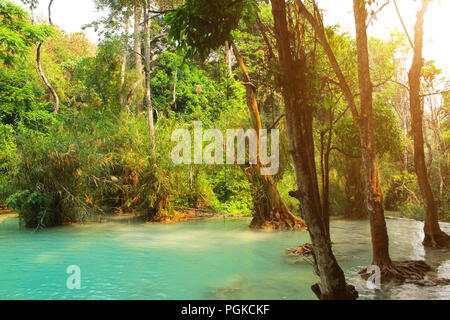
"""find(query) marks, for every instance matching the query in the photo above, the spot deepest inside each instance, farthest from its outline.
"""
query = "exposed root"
(438, 241)
(279, 223)
(301, 254)
(176, 217)
(304, 250)
(400, 271)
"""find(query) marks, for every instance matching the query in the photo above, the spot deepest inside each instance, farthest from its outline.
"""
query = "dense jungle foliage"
(95, 155)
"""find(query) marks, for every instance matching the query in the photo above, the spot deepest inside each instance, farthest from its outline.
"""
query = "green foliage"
(388, 135)
(401, 192)
(190, 104)
(45, 188)
(97, 79)
(17, 34)
(232, 190)
(200, 26)
(92, 158)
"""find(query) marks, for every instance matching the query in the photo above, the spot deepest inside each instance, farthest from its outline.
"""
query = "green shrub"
(46, 186)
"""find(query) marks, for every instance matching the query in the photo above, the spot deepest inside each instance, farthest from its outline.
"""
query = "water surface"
(208, 259)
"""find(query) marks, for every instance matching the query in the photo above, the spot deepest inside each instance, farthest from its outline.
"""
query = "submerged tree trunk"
(299, 118)
(147, 70)
(271, 212)
(434, 236)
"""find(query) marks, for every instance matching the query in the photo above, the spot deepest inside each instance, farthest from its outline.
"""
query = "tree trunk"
(299, 116)
(44, 78)
(380, 240)
(228, 57)
(39, 65)
(434, 236)
(50, 12)
(175, 82)
(441, 155)
(271, 213)
(130, 94)
(147, 70)
(325, 152)
(429, 149)
(405, 148)
(138, 49)
(124, 65)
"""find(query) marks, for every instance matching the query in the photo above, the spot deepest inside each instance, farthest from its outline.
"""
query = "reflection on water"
(208, 259)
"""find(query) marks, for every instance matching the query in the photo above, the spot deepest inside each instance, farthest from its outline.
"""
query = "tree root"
(349, 294)
(304, 250)
(438, 241)
(400, 271)
(279, 223)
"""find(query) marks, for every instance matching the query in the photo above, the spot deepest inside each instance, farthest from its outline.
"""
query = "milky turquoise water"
(207, 259)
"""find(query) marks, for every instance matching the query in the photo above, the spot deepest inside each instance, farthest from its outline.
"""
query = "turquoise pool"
(208, 259)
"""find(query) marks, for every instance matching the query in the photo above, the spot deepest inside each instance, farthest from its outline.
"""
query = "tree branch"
(403, 25)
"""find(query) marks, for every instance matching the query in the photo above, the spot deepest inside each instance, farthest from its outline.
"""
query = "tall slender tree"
(147, 71)
(124, 63)
(32, 4)
(137, 51)
(434, 236)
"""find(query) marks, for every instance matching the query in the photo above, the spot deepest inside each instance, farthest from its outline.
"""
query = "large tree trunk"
(299, 124)
(271, 212)
(147, 70)
(380, 240)
(434, 236)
